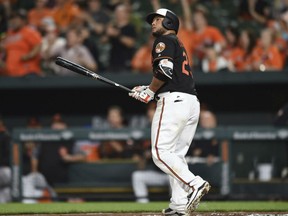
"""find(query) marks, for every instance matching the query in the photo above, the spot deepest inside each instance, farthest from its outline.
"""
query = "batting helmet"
(170, 21)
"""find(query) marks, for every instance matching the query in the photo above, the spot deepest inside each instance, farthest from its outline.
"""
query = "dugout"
(230, 177)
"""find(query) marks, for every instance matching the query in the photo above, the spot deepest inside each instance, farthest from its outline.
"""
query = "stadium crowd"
(111, 36)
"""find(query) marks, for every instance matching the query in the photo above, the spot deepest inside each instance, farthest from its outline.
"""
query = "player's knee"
(155, 154)
(156, 160)
(159, 155)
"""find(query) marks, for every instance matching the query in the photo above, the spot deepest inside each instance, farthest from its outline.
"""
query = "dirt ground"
(159, 214)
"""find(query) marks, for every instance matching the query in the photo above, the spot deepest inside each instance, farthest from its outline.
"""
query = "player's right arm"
(163, 58)
(163, 55)
(156, 84)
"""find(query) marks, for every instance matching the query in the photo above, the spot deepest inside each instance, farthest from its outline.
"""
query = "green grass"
(89, 207)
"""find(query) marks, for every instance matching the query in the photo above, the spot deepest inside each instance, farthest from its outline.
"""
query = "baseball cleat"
(195, 196)
(171, 212)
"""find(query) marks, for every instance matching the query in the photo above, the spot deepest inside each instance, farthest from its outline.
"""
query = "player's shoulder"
(165, 41)
(170, 38)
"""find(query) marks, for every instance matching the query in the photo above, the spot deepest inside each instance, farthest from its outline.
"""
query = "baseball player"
(176, 117)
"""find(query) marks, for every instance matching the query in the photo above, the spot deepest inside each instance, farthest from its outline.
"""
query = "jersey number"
(184, 64)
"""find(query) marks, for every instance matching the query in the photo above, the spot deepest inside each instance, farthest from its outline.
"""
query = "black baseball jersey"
(169, 47)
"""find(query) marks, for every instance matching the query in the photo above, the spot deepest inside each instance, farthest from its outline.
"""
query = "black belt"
(157, 97)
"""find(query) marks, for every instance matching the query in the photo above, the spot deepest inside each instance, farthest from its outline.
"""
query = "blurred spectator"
(186, 33)
(247, 43)
(76, 155)
(35, 187)
(206, 150)
(5, 171)
(57, 122)
(232, 52)
(121, 34)
(96, 16)
(89, 42)
(141, 61)
(94, 19)
(65, 12)
(266, 54)
(115, 118)
(147, 174)
(56, 170)
(205, 34)
(87, 36)
(258, 10)
(88, 148)
(278, 30)
(38, 13)
(213, 61)
(76, 52)
(207, 118)
(22, 46)
(115, 148)
(52, 44)
(82, 150)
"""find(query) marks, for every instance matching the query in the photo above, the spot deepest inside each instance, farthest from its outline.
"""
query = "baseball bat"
(84, 71)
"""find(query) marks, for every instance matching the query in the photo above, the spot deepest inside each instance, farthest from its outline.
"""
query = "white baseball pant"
(173, 128)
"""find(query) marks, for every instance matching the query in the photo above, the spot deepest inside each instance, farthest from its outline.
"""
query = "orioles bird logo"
(160, 47)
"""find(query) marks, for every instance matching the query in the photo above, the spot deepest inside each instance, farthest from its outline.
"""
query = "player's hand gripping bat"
(84, 71)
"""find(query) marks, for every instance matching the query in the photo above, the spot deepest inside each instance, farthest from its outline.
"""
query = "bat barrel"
(84, 71)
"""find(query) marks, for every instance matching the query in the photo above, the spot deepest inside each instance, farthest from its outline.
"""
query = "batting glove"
(137, 89)
(144, 96)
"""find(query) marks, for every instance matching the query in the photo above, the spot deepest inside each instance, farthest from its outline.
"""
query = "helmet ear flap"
(171, 22)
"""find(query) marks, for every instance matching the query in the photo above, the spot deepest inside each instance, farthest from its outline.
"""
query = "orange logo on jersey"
(160, 47)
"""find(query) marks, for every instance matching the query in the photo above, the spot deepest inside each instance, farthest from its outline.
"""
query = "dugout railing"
(243, 150)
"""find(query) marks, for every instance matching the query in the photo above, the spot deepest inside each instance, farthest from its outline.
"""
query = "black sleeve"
(163, 48)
